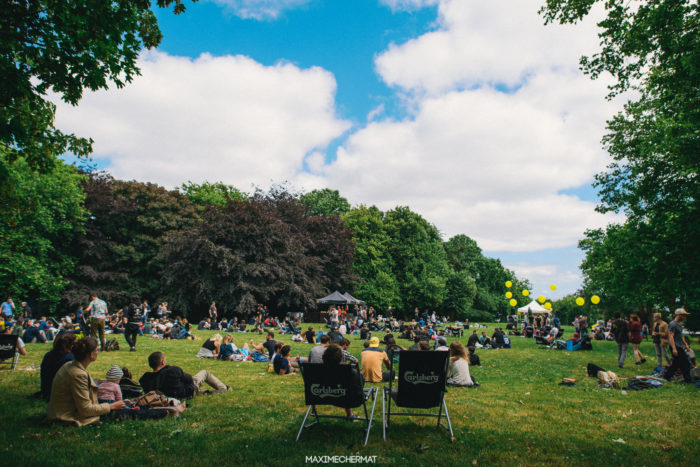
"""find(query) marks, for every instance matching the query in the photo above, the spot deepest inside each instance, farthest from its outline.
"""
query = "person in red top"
(636, 338)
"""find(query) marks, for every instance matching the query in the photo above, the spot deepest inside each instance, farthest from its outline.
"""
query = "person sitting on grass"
(484, 341)
(347, 356)
(210, 347)
(458, 373)
(474, 359)
(173, 382)
(108, 390)
(372, 359)
(53, 360)
(316, 353)
(473, 339)
(310, 335)
(333, 357)
(74, 393)
(267, 346)
(282, 364)
(226, 349)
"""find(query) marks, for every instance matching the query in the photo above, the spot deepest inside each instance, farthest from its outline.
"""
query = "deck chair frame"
(9, 354)
(367, 394)
(440, 367)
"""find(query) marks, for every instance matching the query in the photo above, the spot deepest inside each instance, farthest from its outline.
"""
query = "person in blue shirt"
(7, 308)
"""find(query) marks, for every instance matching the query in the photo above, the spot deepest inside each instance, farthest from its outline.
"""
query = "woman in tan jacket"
(74, 393)
(659, 336)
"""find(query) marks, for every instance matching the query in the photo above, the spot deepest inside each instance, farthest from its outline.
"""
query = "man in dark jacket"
(173, 382)
(131, 324)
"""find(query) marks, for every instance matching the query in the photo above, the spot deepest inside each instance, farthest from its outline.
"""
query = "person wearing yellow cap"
(372, 359)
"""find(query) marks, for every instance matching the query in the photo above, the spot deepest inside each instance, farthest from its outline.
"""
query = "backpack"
(152, 399)
(130, 388)
(259, 357)
(112, 345)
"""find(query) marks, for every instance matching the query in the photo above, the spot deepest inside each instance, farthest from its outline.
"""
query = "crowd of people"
(74, 396)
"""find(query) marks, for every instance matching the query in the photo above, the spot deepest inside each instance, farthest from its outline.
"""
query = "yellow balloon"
(595, 299)
(509, 284)
(513, 302)
(548, 306)
(541, 299)
(526, 293)
(580, 301)
(509, 294)
(553, 287)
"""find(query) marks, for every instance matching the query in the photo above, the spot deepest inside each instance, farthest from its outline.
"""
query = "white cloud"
(408, 5)
(485, 163)
(213, 118)
(483, 41)
(260, 9)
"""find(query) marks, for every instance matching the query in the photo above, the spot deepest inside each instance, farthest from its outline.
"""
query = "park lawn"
(519, 415)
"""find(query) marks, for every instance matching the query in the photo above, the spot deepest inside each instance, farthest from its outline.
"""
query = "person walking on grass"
(131, 323)
(659, 337)
(98, 313)
(679, 348)
(636, 338)
(620, 330)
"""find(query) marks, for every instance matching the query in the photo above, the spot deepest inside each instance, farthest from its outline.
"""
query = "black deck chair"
(422, 376)
(330, 385)
(9, 353)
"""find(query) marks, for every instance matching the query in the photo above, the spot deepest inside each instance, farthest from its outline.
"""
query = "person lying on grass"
(173, 382)
(228, 350)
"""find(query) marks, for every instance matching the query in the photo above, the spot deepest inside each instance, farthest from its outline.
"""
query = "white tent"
(534, 307)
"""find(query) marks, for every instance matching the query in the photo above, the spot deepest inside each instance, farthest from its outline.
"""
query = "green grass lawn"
(519, 415)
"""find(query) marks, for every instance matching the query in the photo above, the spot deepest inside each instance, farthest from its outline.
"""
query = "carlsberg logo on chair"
(415, 378)
(327, 391)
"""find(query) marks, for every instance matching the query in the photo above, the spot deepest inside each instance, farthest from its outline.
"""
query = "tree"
(652, 47)
(377, 284)
(420, 266)
(118, 253)
(266, 249)
(489, 275)
(65, 47)
(325, 202)
(211, 193)
(40, 216)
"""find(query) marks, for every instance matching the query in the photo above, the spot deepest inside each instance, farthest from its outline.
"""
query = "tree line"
(66, 234)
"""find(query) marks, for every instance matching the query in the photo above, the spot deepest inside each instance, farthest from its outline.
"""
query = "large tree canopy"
(266, 249)
(39, 217)
(118, 253)
(652, 47)
(65, 47)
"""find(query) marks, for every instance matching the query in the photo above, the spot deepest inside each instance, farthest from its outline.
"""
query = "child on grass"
(109, 391)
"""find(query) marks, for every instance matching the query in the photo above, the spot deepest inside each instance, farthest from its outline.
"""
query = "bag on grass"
(112, 345)
(152, 399)
(259, 357)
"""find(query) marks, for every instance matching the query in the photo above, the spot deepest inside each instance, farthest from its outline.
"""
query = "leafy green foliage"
(373, 264)
(325, 202)
(65, 47)
(207, 193)
(40, 216)
(420, 265)
(652, 47)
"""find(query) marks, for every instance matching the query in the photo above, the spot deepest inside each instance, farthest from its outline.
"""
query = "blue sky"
(474, 114)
